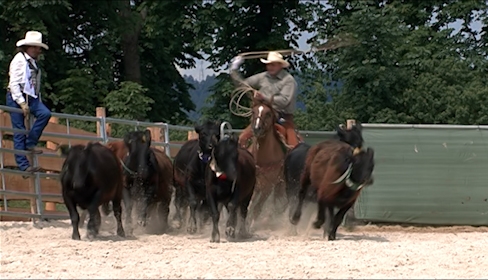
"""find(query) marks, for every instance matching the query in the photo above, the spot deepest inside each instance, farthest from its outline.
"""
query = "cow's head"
(76, 164)
(353, 136)
(363, 166)
(208, 136)
(138, 144)
(225, 156)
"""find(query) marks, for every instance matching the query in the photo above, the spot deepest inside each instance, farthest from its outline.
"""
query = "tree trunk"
(130, 41)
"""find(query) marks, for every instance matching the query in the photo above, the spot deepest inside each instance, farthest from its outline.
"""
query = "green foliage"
(97, 45)
(233, 27)
(219, 100)
(127, 102)
(407, 68)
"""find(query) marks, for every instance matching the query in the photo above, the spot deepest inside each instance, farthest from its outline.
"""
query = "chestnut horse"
(268, 149)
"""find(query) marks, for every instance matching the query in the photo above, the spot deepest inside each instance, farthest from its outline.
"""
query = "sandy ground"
(47, 251)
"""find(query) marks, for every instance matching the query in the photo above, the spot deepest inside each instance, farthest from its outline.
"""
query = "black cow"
(189, 173)
(230, 180)
(91, 176)
(148, 174)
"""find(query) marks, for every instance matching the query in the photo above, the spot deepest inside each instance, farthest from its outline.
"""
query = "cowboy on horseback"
(275, 82)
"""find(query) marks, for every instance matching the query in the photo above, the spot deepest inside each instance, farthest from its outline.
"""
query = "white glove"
(236, 62)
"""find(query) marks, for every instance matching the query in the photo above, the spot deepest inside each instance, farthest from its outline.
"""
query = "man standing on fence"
(24, 93)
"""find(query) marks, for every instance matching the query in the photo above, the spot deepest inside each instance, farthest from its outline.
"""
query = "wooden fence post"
(51, 206)
(350, 123)
(51, 145)
(192, 135)
(156, 134)
(101, 112)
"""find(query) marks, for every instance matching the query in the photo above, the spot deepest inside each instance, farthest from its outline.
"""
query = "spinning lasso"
(240, 110)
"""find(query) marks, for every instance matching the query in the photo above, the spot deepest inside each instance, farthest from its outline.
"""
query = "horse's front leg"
(261, 194)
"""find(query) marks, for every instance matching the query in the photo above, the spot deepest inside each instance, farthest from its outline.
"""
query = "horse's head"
(263, 117)
(226, 154)
(363, 166)
(351, 136)
(208, 136)
(138, 144)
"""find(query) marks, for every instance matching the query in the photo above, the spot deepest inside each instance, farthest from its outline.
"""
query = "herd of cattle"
(208, 173)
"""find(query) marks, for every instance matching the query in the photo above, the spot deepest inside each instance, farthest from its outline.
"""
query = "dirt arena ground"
(47, 251)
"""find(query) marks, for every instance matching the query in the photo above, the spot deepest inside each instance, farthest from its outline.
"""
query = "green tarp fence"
(427, 176)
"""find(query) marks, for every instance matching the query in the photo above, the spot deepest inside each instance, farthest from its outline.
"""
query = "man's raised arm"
(238, 80)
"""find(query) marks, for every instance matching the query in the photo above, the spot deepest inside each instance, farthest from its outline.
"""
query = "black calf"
(189, 172)
(230, 179)
(90, 177)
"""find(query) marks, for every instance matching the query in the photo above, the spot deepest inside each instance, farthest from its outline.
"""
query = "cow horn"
(345, 175)
(143, 138)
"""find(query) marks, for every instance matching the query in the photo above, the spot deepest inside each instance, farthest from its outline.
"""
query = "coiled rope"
(235, 105)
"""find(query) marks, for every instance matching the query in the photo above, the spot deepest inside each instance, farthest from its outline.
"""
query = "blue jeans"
(21, 141)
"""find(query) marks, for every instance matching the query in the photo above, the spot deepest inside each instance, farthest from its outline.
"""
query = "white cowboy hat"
(275, 57)
(32, 38)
